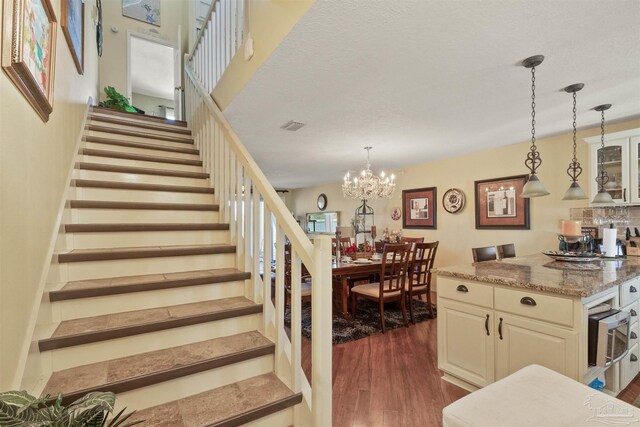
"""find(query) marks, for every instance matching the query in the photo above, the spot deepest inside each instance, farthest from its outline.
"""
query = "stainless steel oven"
(608, 337)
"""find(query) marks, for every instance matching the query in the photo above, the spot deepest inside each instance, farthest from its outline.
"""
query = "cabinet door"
(521, 342)
(465, 342)
(615, 157)
(634, 179)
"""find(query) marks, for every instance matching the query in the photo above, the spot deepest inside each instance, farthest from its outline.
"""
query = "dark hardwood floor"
(393, 380)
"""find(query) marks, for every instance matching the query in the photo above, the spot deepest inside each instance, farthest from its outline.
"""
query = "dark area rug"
(367, 320)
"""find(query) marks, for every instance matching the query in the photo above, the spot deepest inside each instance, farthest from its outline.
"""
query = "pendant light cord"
(574, 170)
(603, 176)
(533, 160)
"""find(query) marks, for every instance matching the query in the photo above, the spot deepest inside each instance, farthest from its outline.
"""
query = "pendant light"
(575, 191)
(534, 187)
(603, 195)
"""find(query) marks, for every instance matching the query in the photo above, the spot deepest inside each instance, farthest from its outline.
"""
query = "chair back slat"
(506, 251)
(342, 241)
(394, 267)
(423, 256)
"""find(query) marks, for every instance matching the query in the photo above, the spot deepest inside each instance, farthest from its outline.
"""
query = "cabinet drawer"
(629, 366)
(629, 292)
(633, 309)
(466, 291)
(547, 308)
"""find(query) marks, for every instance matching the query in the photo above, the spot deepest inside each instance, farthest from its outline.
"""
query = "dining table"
(342, 271)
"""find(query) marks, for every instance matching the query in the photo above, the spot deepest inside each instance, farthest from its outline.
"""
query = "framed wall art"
(143, 10)
(498, 205)
(28, 51)
(419, 208)
(72, 24)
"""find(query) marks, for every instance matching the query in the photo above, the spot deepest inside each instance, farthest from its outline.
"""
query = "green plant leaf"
(19, 398)
(11, 417)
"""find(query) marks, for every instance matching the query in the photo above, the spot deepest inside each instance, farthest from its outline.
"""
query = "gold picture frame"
(29, 51)
(72, 25)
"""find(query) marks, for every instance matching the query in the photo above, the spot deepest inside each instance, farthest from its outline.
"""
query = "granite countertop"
(541, 273)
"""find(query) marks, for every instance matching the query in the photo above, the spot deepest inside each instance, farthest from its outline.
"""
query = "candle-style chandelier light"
(368, 186)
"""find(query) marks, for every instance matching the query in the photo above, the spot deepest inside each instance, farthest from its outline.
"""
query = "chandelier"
(368, 186)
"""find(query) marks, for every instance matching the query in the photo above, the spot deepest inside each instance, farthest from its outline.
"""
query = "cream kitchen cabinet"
(621, 157)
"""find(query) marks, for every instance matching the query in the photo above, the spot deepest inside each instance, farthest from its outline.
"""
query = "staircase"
(154, 306)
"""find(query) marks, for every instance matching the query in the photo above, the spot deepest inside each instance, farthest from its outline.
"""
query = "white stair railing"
(261, 223)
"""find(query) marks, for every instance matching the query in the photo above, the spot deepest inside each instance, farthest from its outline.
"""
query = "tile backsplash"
(620, 216)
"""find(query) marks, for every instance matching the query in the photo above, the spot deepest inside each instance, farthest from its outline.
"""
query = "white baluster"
(256, 226)
(267, 256)
(296, 320)
(231, 188)
(248, 223)
(280, 333)
(239, 214)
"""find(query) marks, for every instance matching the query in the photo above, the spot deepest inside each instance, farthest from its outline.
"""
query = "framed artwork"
(419, 208)
(498, 205)
(143, 10)
(28, 51)
(72, 24)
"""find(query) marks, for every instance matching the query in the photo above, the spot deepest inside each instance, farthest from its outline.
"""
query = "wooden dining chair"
(420, 266)
(393, 276)
(305, 277)
(412, 240)
(506, 251)
(343, 241)
(487, 253)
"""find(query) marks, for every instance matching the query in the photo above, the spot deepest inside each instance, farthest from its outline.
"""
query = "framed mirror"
(322, 222)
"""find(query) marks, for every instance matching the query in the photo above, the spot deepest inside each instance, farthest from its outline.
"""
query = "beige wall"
(457, 233)
(150, 103)
(34, 161)
(113, 62)
(269, 22)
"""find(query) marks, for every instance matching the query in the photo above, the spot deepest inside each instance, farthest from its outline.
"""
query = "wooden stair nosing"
(104, 167)
(121, 185)
(153, 252)
(112, 112)
(62, 295)
(259, 412)
(148, 135)
(106, 204)
(135, 227)
(139, 157)
(54, 343)
(117, 121)
(141, 145)
(148, 379)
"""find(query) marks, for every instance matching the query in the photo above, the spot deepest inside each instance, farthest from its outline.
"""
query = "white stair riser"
(124, 195)
(121, 239)
(137, 177)
(139, 150)
(167, 131)
(91, 216)
(139, 163)
(179, 388)
(142, 139)
(133, 267)
(282, 418)
(68, 357)
(96, 306)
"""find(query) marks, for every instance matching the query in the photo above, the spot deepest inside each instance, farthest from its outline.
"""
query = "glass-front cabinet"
(621, 160)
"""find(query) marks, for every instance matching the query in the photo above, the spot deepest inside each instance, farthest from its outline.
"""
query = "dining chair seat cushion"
(416, 288)
(372, 290)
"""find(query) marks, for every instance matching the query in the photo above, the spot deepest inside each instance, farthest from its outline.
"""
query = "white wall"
(150, 103)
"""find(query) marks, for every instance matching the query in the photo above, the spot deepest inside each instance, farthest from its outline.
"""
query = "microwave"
(608, 337)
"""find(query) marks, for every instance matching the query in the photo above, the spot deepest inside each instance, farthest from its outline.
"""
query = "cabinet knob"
(633, 357)
(633, 313)
(632, 289)
(528, 301)
(462, 288)
(633, 335)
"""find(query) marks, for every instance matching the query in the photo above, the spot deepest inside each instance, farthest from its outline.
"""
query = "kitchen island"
(496, 317)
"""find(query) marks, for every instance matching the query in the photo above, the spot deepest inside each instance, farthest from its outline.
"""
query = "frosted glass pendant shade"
(574, 192)
(603, 196)
(534, 188)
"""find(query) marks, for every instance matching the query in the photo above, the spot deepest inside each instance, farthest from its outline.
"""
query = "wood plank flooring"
(393, 380)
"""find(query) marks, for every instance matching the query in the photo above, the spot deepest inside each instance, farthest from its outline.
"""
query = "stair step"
(106, 204)
(139, 157)
(110, 326)
(149, 135)
(169, 226)
(152, 126)
(136, 116)
(147, 282)
(139, 186)
(142, 145)
(230, 405)
(141, 370)
(141, 171)
(80, 255)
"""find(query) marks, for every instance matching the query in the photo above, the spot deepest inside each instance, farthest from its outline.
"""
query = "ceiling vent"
(292, 126)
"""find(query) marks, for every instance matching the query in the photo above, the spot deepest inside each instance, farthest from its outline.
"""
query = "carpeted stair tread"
(138, 226)
(108, 204)
(140, 171)
(104, 254)
(144, 145)
(94, 183)
(140, 370)
(110, 326)
(161, 126)
(141, 134)
(138, 157)
(136, 116)
(231, 405)
(147, 282)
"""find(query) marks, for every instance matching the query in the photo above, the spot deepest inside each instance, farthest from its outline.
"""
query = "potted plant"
(117, 101)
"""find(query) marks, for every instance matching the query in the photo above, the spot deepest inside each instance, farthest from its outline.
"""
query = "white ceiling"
(151, 68)
(425, 80)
